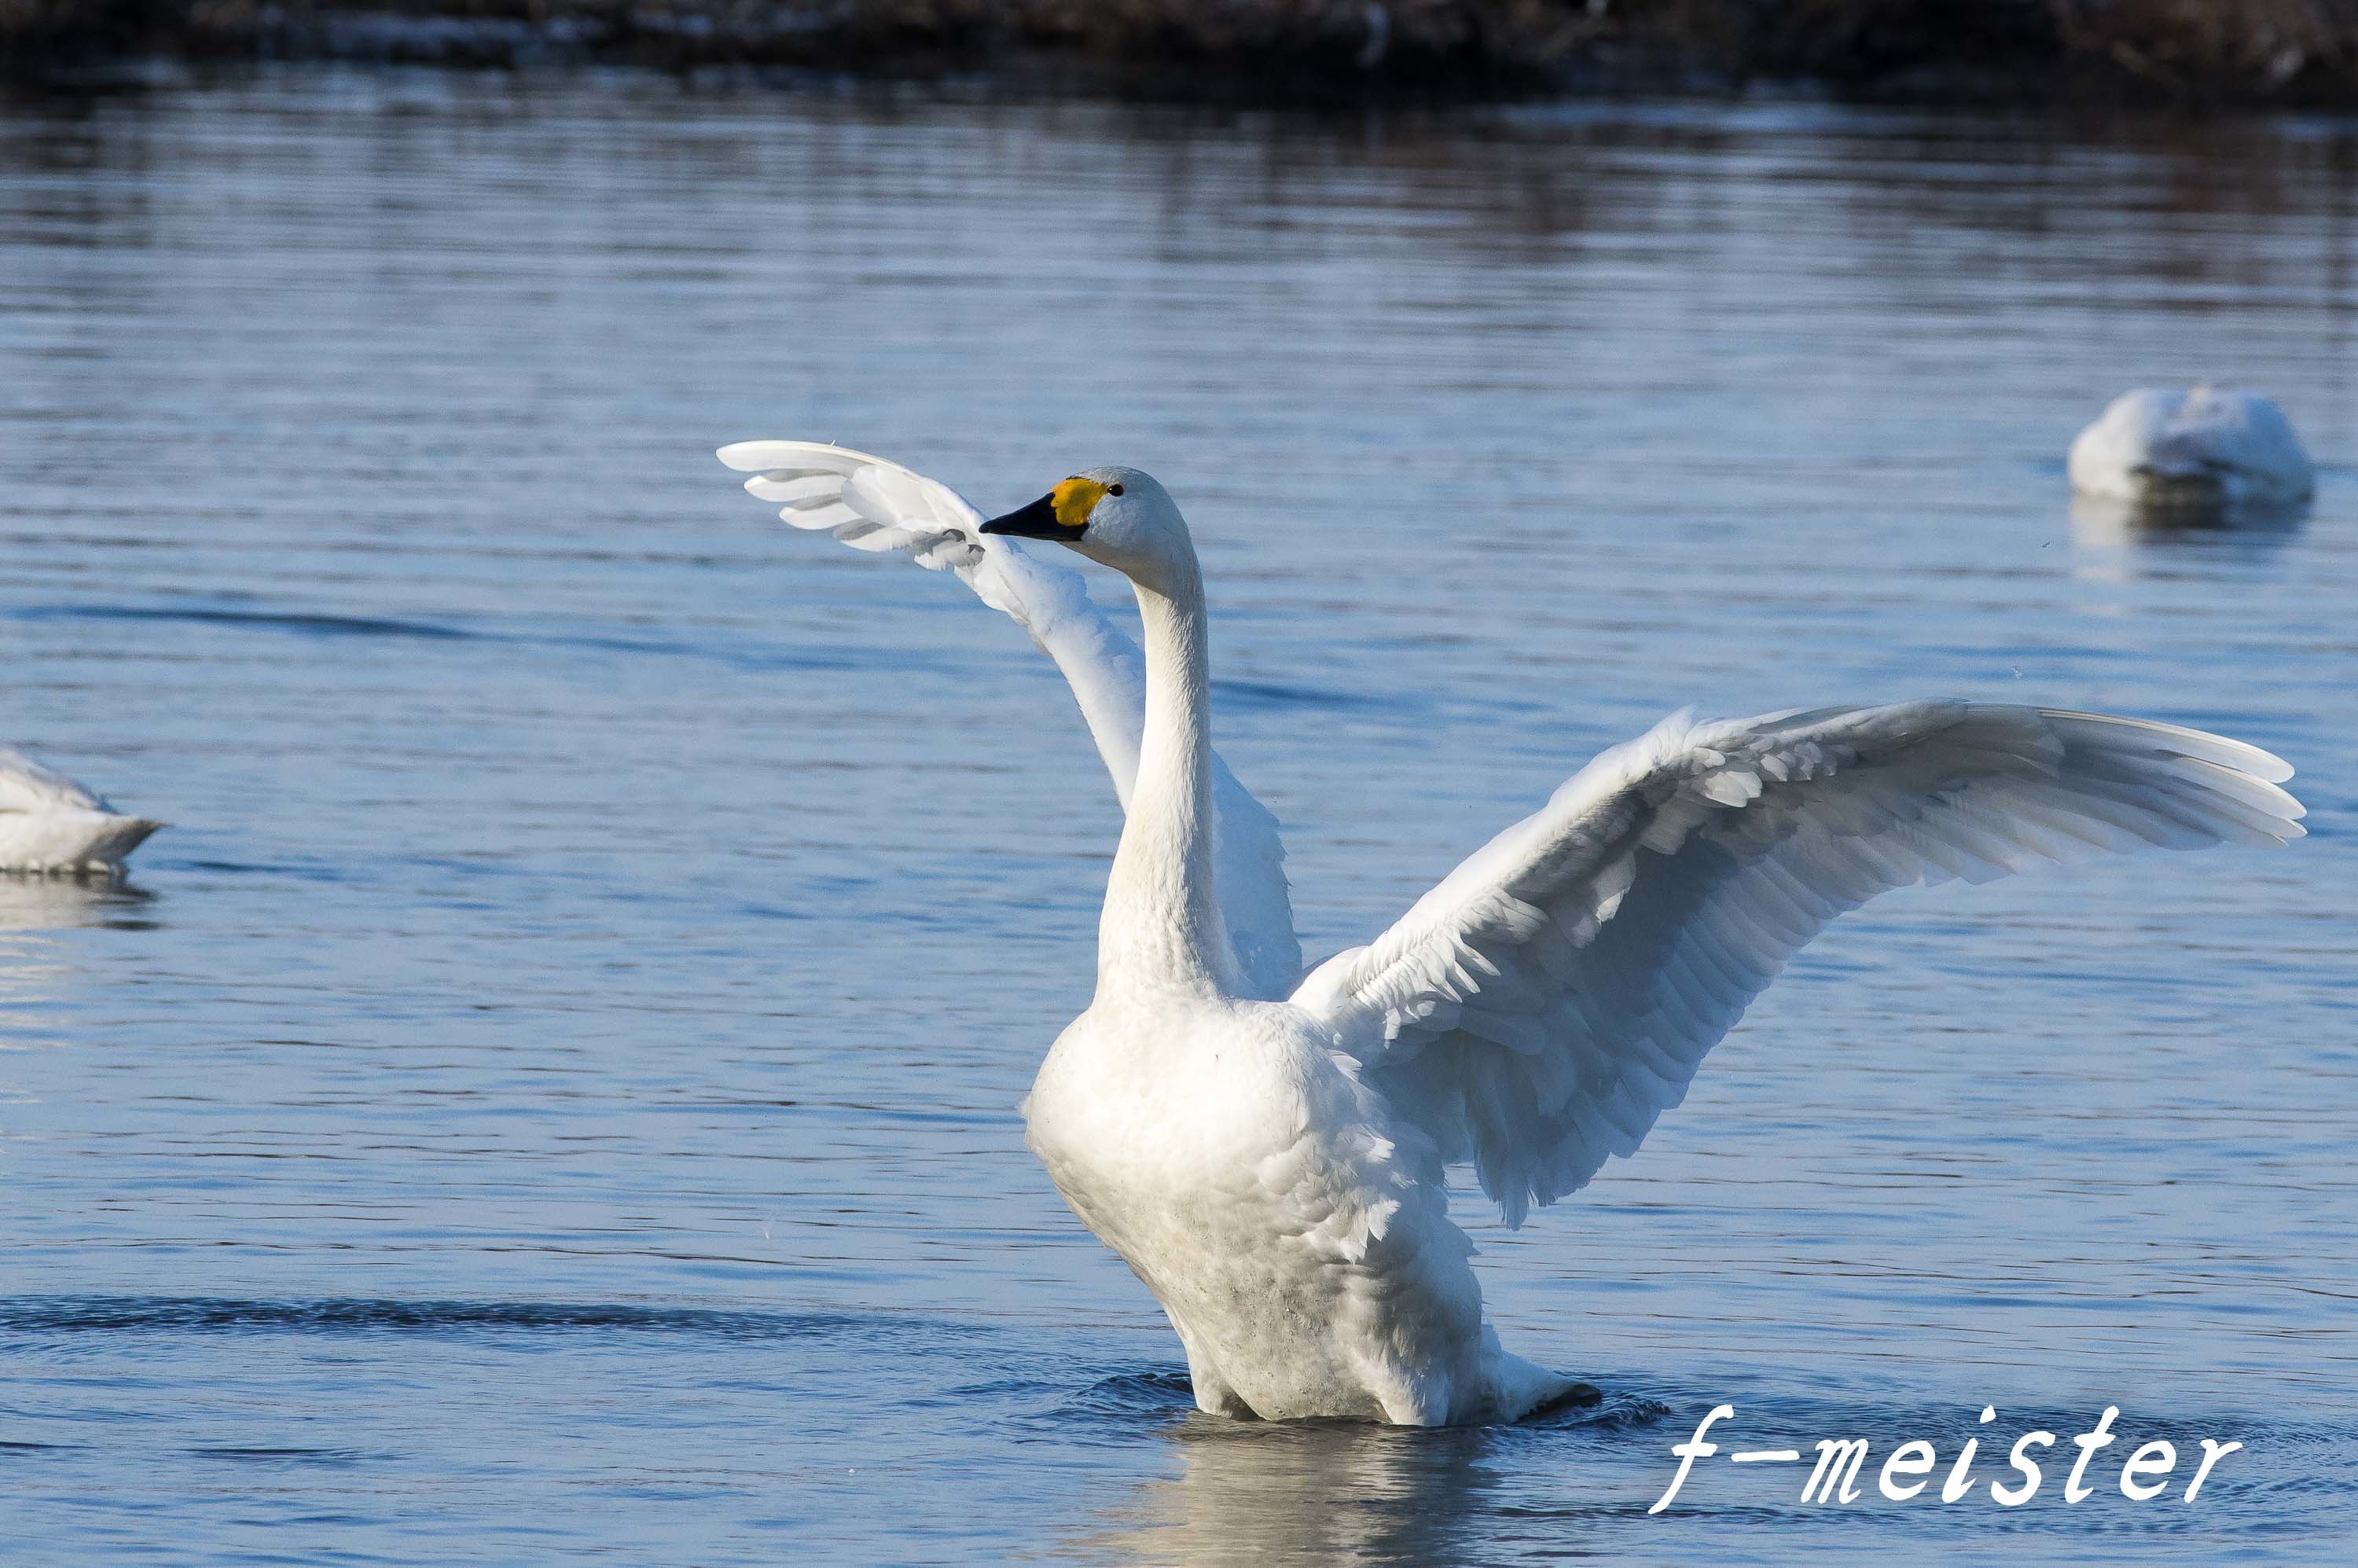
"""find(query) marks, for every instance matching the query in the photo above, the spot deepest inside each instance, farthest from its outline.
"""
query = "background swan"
(49, 823)
(1273, 1171)
(2206, 448)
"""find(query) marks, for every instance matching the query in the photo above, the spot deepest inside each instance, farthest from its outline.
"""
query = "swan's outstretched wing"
(1536, 1011)
(871, 503)
(26, 786)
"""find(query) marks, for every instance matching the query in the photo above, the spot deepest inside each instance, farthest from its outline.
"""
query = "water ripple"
(204, 1315)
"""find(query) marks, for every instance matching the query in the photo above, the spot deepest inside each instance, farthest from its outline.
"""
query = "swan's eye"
(1113, 490)
(1074, 500)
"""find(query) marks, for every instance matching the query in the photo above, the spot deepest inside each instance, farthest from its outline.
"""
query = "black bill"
(1037, 521)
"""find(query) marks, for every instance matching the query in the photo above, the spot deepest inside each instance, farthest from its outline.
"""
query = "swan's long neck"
(1161, 927)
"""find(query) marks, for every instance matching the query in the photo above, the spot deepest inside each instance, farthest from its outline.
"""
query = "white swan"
(2202, 449)
(49, 823)
(871, 503)
(1273, 1170)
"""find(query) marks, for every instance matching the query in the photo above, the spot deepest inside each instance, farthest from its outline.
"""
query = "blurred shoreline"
(2246, 54)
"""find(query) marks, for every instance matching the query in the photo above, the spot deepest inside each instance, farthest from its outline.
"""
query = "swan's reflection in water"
(2116, 541)
(2106, 524)
(33, 901)
(35, 969)
(1340, 1492)
(1250, 1493)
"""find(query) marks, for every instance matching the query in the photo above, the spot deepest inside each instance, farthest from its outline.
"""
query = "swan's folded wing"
(26, 786)
(871, 503)
(1536, 1011)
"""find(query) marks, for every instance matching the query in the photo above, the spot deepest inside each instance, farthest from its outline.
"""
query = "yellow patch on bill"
(1074, 500)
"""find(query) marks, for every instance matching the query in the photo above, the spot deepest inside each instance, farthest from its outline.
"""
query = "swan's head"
(1119, 517)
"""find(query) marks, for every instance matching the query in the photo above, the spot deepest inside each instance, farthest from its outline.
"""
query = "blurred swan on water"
(49, 823)
(2206, 449)
(1273, 1170)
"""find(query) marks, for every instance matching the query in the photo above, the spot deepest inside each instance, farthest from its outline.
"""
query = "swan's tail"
(111, 844)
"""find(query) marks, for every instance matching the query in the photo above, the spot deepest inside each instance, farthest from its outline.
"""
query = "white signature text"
(2145, 1475)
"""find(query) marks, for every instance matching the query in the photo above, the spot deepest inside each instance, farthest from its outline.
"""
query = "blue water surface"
(550, 1095)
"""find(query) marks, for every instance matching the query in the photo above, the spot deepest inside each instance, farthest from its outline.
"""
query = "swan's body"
(1273, 1170)
(49, 823)
(2206, 449)
(1297, 1235)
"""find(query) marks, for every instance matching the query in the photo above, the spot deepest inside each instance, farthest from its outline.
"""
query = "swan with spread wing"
(872, 504)
(1272, 1165)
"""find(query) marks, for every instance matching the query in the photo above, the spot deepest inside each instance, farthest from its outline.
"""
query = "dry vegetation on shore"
(2210, 51)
